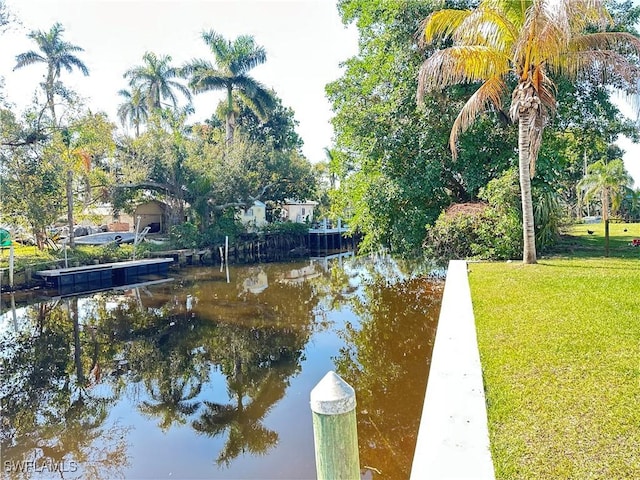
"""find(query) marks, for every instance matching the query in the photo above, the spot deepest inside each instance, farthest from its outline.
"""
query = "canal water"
(208, 374)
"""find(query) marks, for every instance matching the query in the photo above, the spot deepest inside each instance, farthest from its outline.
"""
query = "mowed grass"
(577, 242)
(560, 349)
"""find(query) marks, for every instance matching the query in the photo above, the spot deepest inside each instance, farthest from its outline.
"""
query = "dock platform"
(87, 277)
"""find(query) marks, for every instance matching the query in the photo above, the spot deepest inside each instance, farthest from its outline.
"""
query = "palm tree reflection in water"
(159, 359)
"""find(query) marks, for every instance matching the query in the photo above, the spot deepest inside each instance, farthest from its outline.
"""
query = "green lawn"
(579, 243)
(560, 349)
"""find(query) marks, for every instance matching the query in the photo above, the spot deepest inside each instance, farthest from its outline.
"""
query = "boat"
(106, 237)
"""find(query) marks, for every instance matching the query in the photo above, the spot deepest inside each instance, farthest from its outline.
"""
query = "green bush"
(286, 228)
(491, 232)
(185, 235)
(495, 231)
(483, 234)
(451, 236)
(225, 226)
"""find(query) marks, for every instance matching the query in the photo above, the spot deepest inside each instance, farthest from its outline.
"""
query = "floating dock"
(91, 277)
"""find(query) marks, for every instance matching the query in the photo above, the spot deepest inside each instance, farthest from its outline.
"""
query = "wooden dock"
(325, 238)
(90, 277)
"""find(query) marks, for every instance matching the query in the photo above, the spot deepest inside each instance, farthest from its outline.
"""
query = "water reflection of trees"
(387, 362)
(69, 365)
(257, 347)
(50, 415)
(164, 349)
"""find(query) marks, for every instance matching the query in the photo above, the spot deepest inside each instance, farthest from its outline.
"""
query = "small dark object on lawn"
(590, 232)
(625, 229)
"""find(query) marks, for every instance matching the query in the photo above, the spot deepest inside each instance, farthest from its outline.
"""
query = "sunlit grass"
(578, 242)
(30, 256)
(560, 349)
(25, 255)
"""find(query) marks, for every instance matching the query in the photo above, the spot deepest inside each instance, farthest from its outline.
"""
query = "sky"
(305, 42)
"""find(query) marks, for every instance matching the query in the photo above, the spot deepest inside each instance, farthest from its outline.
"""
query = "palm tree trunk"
(50, 99)
(525, 121)
(230, 119)
(70, 221)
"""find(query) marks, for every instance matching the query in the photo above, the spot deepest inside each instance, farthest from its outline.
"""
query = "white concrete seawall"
(453, 439)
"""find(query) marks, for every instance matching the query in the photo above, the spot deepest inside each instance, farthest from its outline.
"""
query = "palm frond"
(69, 47)
(217, 44)
(195, 65)
(488, 26)
(545, 88)
(249, 60)
(581, 14)
(28, 58)
(620, 41)
(261, 102)
(205, 80)
(605, 64)
(70, 61)
(440, 25)
(489, 94)
(455, 65)
(180, 87)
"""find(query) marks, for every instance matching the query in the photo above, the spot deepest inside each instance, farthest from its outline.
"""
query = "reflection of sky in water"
(179, 451)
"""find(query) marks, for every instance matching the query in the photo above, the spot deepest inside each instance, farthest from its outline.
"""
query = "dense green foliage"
(481, 231)
(194, 170)
(399, 169)
(395, 169)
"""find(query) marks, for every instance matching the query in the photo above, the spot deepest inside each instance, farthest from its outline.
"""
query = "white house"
(254, 217)
(298, 212)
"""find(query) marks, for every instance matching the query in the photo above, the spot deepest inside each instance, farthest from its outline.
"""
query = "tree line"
(429, 115)
(506, 105)
(60, 157)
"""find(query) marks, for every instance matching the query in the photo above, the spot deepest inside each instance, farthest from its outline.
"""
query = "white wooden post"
(135, 238)
(11, 266)
(333, 403)
(66, 260)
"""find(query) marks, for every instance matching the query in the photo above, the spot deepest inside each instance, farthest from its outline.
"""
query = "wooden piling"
(333, 403)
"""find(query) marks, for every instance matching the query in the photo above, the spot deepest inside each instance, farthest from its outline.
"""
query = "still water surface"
(209, 375)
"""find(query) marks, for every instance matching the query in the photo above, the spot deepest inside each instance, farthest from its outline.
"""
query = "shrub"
(548, 216)
(452, 236)
(481, 233)
(185, 235)
(286, 228)
(494, 232)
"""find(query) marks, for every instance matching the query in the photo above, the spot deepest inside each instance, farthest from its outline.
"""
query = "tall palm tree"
(632, 203)
(56, 54)
(154, 79)
(134, 110)
(524, 42)
(610, 182)
(233, 60)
